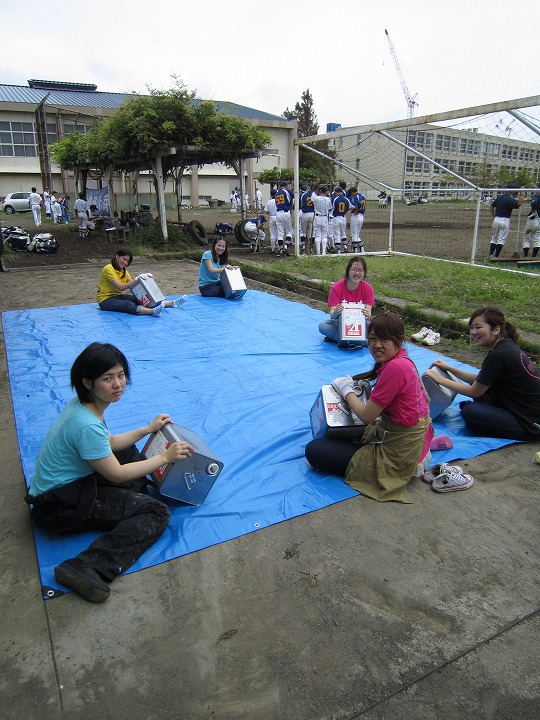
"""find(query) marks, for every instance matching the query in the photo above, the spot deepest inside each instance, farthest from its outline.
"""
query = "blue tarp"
(242, 374)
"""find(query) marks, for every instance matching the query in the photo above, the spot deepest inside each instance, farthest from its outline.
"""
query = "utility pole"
(412, 100)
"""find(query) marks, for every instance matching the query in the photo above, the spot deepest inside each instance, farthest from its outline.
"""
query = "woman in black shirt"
(506, 391)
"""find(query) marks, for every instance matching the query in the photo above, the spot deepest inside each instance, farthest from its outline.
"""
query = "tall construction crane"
(412, 100)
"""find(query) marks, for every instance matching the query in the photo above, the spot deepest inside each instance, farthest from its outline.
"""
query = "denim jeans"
(482, 417)
(120, 303)
(212, 290)
(330, 329)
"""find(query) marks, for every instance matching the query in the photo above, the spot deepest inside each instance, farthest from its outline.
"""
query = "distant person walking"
(47, 201)
(35, 206)
(501, 209)
(81, 210)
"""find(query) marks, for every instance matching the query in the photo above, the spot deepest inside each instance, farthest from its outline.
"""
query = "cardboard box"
(440, 397)
(331, 417)
(233, 284)
(147, 291)
(188, 480)
(352, 325)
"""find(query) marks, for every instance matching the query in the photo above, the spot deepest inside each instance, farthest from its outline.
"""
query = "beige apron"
(387, 459)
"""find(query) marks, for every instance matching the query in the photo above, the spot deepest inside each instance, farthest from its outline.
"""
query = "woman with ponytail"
(394, 447)
(506, 392)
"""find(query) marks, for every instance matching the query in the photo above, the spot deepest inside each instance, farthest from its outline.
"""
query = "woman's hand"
(441, 364)
(177, 451)
(343, 385)
(231, 267)
(158, 422)
(336, 311)
(433, 375)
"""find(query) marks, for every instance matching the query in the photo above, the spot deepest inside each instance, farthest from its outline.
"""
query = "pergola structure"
(167, 161)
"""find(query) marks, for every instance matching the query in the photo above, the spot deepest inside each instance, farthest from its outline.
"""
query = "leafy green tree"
(504, 177)
(313, 165)
(183, 131)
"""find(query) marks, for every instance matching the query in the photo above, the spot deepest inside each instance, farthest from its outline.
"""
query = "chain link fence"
(430, 181)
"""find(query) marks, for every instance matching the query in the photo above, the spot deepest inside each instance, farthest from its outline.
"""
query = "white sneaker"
(158, 309)
(432, 338)
(421, 334)
(179, 301)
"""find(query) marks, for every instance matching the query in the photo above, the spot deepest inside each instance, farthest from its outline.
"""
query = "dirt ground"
(437, 230)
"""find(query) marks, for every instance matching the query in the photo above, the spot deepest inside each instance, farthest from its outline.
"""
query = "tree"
(305, 114)
(313, 165)
(170, 130)
(505, 178)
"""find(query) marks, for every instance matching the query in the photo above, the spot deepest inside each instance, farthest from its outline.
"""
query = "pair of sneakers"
(447, 478)
(427, 336)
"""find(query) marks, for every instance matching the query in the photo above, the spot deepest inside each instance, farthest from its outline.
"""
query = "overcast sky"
(263, 55)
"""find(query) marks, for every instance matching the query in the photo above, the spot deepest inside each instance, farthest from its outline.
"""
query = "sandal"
(437, 470)
(447, 482)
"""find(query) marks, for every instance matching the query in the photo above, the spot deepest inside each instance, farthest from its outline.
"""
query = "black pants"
(330, 455)
(132, 521)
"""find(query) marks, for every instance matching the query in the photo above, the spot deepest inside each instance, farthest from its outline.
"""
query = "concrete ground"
(360, 610)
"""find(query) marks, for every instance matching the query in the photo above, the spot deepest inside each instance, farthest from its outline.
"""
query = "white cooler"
(352, 325)
(233, 284)
(331, 416)
(439, 397)
(147, 292)
(187, 480)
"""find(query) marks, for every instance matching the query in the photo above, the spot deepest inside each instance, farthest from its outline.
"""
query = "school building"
(35, 116)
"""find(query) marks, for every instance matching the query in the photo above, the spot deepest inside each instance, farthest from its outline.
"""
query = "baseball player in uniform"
(340, 207)
(532, 235)
(271, 210)
(254, 229)
(306, 218)
(501, 209)
(81, 210)
(35, 206)
(47, 201)
(358, 202)
(321, 207)
(284, 203)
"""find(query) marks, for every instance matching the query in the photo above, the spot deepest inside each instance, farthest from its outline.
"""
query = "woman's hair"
(495, 318)
(355, 259)
(387, 326)
(223, 259)
(122, 252)
(94, 362)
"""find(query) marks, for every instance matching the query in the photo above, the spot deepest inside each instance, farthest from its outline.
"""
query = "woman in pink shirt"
(353, 288)
(395, 444)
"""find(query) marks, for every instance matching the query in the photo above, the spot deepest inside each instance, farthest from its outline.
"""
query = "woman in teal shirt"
(213, 262)
(87, 479)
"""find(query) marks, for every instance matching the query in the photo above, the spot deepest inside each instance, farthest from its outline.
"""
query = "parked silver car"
(16, 202)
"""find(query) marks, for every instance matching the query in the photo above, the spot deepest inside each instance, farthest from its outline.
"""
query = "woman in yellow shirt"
(114, 279)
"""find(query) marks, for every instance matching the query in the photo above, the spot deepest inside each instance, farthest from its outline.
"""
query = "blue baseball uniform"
(358, 202)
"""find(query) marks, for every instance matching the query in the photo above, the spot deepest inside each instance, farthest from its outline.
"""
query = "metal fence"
(438, 176)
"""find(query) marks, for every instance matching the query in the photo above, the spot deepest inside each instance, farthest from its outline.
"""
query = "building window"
(17, 139)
